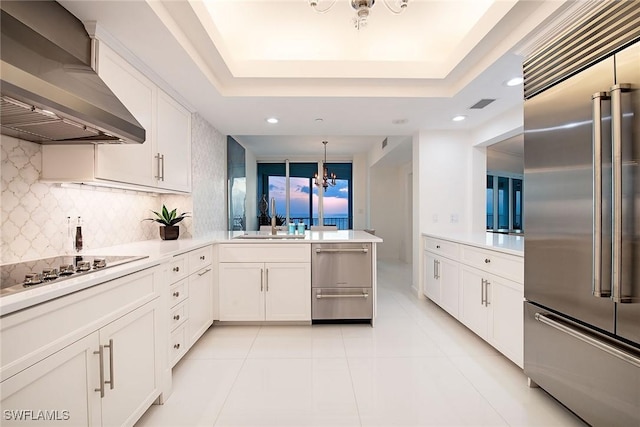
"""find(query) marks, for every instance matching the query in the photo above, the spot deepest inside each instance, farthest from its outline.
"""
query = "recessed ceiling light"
(399, 121)
(514, 81)
(459, 118)
(319, 120)
(272, 120)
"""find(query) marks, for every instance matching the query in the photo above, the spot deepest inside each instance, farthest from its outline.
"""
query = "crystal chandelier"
(328, 179)
(362, 8)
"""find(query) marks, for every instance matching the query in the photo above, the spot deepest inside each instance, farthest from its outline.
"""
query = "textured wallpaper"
(34, 214)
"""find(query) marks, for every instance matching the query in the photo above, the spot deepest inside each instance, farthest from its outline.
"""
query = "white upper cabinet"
(173, 145)
(162, 163)
(131, 163)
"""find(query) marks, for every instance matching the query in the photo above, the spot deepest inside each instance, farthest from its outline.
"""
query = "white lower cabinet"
(73, 369)
(484, 290)
(107, 378)
(200, 303)
(441, 281)
(265, 291)
(492, 307)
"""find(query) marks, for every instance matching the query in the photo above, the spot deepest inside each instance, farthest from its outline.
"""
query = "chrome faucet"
(273, 216)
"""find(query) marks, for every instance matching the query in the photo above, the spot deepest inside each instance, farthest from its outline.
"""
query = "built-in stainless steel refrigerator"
(582, 240)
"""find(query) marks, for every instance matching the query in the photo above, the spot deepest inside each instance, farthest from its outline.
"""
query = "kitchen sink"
(270, 236)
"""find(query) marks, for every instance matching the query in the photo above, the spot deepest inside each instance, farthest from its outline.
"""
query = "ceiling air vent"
(481, 104)
(384, 143)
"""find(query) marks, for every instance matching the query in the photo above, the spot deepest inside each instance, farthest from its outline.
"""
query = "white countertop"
(505, 243)
(159, 251)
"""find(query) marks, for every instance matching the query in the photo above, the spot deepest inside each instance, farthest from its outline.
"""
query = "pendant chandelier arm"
(403, 6)
(314, 5)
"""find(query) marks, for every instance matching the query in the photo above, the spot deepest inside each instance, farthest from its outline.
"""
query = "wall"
(209, 171)
(34, 214)
(390, 215)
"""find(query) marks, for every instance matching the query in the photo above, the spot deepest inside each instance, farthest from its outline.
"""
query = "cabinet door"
(506, 303)
(241, 291)
(174, 143)
(288, 291)
(431, 282)
(130, 163)
(200, 303)
(130, 365)
(62, 384)
(449, 275)
(473, 312)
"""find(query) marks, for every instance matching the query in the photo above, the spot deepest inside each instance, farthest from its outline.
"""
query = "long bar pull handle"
(616, 144)
(360, 250)
(482, 292)
(266, 274)
(486, 292)
(100, 352)
(204, 272)
(620, 354)
(158, 167)
(163, 167)
(261, 280)
(435, 269)
(362, 295)
(110, 347)
(596, 103)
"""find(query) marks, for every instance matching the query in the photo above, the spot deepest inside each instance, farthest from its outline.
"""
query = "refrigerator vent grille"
(598, 35)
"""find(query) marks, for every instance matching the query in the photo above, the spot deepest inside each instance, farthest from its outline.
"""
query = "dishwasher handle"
(364, 294)
(334, 250)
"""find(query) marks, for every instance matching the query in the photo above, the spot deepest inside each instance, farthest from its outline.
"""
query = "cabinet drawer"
(178, 292)
(283, 252)
(199, 258)
(504, 265)
(177, 344)
(178, 268)
(178, 315)
(442, 247)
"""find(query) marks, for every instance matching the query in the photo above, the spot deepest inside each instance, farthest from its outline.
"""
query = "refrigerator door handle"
(616, 144)
(596, 103)
(620, 354)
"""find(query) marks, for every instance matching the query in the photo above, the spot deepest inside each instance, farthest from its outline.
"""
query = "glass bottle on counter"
(78, 241)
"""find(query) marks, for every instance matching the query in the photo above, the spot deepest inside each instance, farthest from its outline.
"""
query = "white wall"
(361, 203)
(387, 209)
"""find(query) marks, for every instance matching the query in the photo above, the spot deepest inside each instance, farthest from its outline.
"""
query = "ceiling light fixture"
(514, 81)
(459, 118)
(272, 120)
(362, 8)
(328, 179)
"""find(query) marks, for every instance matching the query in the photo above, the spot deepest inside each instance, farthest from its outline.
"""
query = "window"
(301, 201)
(504, 201)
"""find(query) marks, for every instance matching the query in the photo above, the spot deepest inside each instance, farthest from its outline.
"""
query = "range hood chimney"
(49, 92)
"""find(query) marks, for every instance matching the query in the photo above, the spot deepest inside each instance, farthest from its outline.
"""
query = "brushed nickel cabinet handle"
(204, 272)
(100, 352)
(110, 347)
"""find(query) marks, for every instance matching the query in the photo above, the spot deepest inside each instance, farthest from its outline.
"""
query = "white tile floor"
(417, 367)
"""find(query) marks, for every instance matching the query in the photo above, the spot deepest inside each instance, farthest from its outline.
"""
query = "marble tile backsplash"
(34, 214)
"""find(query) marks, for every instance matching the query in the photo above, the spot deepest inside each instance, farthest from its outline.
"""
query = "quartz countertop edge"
(512, 245)
(157, 252)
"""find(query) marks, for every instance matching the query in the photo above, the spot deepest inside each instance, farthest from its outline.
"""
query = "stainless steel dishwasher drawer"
(341, 303)
(344, 265)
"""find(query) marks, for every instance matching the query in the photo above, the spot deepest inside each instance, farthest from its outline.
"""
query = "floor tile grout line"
(235, 380)
(353, 387)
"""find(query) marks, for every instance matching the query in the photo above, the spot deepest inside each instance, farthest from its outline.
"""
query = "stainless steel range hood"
(50, 93)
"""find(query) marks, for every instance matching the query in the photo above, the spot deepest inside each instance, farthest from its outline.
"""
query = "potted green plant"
(168, 219)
